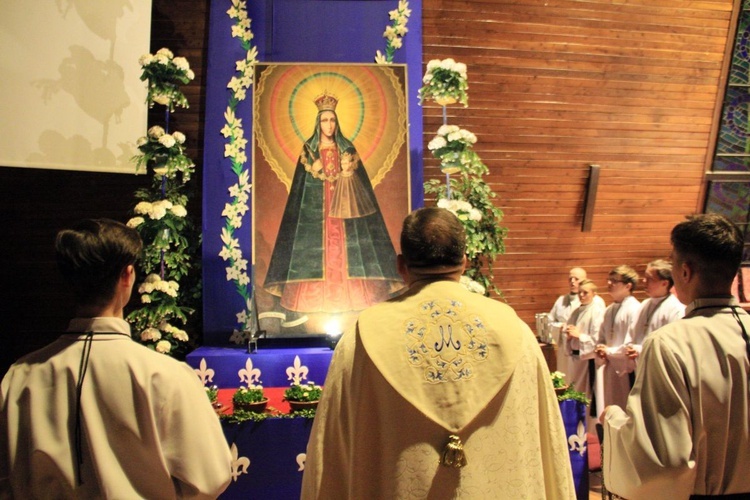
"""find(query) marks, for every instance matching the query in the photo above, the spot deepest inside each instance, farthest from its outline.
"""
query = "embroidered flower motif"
(443, 342)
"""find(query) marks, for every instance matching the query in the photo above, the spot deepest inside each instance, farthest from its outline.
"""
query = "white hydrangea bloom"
(461, 69)
(141, 141)
(135, 222)
(180, 335)
(472, 285)
(179, 211)
(181, 63)
(161, 98)
(143, 208)
(161, 59)
(436, 143)
(145, 59)
(163, 346)
(167, 140)
(444, 130)
(150, 334)
(165, 52)
(155, 132)
(179, 137)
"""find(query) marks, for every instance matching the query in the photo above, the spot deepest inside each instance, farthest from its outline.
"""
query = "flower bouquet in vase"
(250, 398)
(303, 396)
(213, 396)
(445, 83)
(558, 382)
(452, 146)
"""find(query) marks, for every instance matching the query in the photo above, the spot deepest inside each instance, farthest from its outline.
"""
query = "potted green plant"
(213, 396)
(303, 396)
(250, 398)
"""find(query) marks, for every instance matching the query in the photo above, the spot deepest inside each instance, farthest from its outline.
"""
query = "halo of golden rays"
(371, 111)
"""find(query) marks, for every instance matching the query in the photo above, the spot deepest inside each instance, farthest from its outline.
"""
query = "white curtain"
(70, 91)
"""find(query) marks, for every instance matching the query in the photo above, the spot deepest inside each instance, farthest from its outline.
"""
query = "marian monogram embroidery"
(445, 342)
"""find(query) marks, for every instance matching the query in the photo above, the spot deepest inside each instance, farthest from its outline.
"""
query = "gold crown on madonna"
(326, 102)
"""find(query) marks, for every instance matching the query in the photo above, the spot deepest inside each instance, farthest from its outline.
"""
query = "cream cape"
(438, 361)
(686, 426)
(148, 428)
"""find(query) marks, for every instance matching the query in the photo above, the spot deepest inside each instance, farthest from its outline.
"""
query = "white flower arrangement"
(461, 209)
(237, 269)
(472, 285)
(165, 73)
(466, 194)
(165, 153)
(394, 32)
(453, 147)
(161, 216)
(445, 82)
(153, 282)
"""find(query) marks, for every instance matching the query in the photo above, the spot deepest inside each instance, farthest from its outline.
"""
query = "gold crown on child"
(326, 102)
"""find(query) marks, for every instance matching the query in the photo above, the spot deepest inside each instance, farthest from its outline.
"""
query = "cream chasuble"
(437, 365)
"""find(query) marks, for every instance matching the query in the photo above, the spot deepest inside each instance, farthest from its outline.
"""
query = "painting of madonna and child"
(331, 187)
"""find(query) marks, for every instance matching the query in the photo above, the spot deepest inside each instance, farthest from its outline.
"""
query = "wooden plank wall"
(557, 85)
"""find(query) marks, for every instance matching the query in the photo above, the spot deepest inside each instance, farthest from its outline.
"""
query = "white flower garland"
(234, 148)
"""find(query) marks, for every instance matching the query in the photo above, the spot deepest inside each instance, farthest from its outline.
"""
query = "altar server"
(684, 431)
(563, 308)
(580, 338)
(440, 392)
(661, 308)
(97, 415)
(615, 334)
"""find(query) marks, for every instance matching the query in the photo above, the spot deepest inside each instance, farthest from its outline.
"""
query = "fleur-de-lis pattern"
(577, 441)
(240, 465)
(301, 461)
(205, 373)
(298, 372)
(249, 375)
(445, 342)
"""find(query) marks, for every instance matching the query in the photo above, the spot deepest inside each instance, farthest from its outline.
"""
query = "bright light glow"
(333, 328)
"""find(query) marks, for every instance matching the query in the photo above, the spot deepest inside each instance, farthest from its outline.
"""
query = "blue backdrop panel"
(286, 31)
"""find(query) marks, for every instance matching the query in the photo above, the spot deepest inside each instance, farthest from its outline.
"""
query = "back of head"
(92, 254)
(627, 274)
(433, 237)
(712, 244)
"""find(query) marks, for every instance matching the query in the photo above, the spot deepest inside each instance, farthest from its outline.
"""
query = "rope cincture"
(82, 367)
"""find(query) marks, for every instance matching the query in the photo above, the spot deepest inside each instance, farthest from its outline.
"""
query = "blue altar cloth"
(268, 456)
(228, 367)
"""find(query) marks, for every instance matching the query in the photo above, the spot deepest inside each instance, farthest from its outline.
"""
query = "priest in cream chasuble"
(439, 393)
